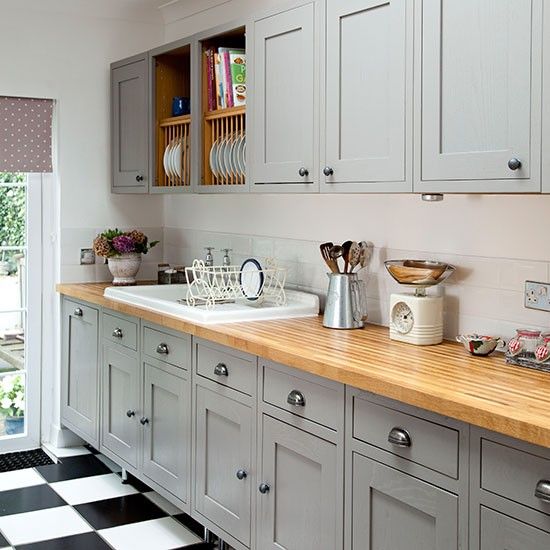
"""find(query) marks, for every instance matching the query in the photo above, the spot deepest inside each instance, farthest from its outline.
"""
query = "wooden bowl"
(417, 272)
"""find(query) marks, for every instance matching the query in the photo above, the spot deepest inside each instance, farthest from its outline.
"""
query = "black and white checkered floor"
(80, 503)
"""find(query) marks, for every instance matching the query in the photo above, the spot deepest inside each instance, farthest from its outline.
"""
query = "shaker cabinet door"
(121, 404)
(223, 462)
(298, 511)
(480, 89)
(368, 95)
(285, 92)
(130, 127)
(80, 370)
(166, 441)
(395, 511)
(500, 532)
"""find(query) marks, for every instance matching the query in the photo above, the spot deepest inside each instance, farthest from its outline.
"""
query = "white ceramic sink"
(170, 299)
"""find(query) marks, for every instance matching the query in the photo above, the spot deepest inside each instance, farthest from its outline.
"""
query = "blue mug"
(181, 106)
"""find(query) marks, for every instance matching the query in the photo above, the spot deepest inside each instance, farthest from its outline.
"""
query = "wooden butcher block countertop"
(444, 379)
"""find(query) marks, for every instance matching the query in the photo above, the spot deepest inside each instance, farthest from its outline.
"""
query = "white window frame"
(30, 439)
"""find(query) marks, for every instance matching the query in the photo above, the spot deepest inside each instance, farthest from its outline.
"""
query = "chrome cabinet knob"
(117, 333)
(296, 398)
(139, 177)
(303, 172)
(264, 488)
(163, 349)
(399, 437)
(514, 164)
(542, 490)
(328, 171)
(78, 312)
(221, 370)
(130, 413)
(144, 420)
(241, 474)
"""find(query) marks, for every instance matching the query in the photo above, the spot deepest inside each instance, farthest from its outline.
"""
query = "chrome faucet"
(226, 262)
(209, 259)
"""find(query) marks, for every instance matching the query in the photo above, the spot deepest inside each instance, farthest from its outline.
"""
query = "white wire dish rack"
(211, 285)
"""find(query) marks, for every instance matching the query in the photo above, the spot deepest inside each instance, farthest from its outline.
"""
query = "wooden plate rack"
(219, 124)
(171, 130)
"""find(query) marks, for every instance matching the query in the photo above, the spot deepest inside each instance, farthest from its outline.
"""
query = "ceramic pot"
(478, 344)
(124, 268)
(14, 425)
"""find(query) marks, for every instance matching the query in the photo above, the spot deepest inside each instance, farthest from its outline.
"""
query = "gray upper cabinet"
(500, 532)
(478, 85)
(121, 404)
(395, 511)
(368, 100)
(80, 370)
(298, 490)
(224, 462)
(285, 104)
(166, 441)
(130, 125)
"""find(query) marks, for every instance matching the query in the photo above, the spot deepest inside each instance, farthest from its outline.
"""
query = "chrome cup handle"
(356, 301)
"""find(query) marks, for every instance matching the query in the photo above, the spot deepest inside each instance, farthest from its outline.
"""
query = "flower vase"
(14, 425)
(124, 268)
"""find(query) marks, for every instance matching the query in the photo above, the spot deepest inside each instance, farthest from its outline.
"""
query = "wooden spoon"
(325, 254)
(366, 253)
(337, 252)
(345, 247)
(354, 256)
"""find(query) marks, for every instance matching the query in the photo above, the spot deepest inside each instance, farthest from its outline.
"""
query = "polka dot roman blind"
(25, 134)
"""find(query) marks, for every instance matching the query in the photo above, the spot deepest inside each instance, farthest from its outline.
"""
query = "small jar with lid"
(525, 343)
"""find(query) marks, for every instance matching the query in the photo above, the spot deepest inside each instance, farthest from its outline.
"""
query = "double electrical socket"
(537, 295)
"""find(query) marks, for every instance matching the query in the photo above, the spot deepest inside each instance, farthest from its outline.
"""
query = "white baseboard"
(63, 437)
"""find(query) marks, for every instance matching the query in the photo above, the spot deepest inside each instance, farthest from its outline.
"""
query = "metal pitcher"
(346, 305)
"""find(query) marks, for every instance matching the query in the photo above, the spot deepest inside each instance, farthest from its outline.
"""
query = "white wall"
(496, 241)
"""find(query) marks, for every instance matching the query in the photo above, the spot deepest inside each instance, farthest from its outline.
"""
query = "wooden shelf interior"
(172, 79)
(220, 124)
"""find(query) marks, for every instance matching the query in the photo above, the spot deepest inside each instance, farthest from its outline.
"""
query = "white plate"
(176, 158)
(165, 160)
(229, 158)
(221, 158)
(170, 153)
(251, 279)
(243, 155)
(239, 154)
(214, 158)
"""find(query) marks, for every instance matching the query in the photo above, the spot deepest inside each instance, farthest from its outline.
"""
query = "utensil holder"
(346, 306)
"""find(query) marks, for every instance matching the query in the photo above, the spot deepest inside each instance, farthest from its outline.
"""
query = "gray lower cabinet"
(121, 404)
(80, 370)
(224, 461)
(298, 490)
(130, 125)
(501, 532)
(166, 438)
(509, 494)
(394, 511)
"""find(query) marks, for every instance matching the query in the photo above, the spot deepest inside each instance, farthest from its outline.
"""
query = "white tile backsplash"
(484, 295)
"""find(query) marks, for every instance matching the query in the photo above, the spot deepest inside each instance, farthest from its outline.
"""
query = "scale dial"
(402, 318)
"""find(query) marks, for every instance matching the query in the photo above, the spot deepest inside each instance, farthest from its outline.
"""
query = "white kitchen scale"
(417, 318)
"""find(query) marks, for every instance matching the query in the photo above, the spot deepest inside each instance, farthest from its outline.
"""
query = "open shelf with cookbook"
(223, 107)
(171, 102)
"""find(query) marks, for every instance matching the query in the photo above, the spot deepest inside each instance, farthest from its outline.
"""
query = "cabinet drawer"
(303, 394)
(514, 474)
(120, 331)
(426, 443)
(227, 367)
(166, 347)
